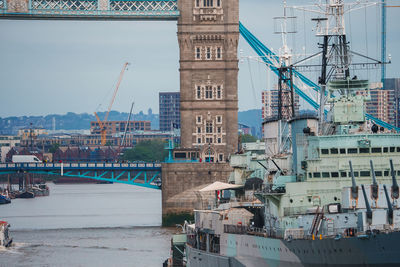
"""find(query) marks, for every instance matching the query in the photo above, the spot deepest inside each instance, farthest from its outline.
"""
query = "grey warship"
(329, 197)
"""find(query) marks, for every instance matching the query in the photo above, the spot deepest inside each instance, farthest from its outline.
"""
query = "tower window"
(198, 129)
(208, 53)
(208, 92)
(198, 93)
(219, 54)
(218, 3)
(218, 129)
(219, 92)
(219, 119)
(197, 3)
(198, 53)
(209, 127)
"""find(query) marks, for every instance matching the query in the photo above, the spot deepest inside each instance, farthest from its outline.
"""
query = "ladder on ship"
(317, 221)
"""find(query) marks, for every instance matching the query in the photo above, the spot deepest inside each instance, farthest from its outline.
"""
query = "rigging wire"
(378, 15)
(304, 31)
(366, 37)
(252, 82)
(351, 35)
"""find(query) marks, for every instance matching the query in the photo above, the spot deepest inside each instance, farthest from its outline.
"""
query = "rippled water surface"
(87, 225)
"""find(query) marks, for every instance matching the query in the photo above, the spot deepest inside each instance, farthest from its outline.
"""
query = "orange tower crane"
(103, 124)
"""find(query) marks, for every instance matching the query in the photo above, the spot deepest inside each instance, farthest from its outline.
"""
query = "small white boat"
(5, 239)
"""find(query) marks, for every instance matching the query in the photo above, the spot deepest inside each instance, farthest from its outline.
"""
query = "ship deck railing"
(271, 189)
(251, 230)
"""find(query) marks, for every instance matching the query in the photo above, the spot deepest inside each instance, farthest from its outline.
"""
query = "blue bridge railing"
(139, 174)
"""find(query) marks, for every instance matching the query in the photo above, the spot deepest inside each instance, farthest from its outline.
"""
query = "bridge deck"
(140, 174)
(90, 9)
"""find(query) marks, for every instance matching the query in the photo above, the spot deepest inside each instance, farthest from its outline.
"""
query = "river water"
(87, 225)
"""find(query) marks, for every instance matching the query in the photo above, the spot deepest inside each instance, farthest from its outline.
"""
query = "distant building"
(244, 129)
(169, 105)
(31, 132)
(382, 103)
(114, 127)
(7, 142)
(394, 84)
(269, 101)
(136, 137)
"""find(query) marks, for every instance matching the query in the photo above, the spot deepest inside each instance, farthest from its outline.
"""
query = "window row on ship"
(344, 174)
(361, 150)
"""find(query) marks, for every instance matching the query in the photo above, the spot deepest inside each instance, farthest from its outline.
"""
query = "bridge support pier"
(180, 185)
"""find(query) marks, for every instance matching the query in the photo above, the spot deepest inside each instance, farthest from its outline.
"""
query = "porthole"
(291, 200)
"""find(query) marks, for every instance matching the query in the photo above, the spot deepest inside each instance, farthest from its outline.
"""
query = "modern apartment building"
(169, 111)
(270, 101)
(382, 103)
(394, 84)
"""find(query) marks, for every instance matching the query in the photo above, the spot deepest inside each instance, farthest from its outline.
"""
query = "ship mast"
(337, 87)
(331, 27)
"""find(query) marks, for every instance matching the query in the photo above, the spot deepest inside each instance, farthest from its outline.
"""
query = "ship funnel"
(354, 187)
(374, 186)
(389, 204)
(395, 187)
(368, 207)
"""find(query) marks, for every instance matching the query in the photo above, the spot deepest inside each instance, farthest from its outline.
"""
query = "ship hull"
(247, 250)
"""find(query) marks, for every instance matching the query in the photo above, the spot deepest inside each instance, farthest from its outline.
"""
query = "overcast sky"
(60, 66)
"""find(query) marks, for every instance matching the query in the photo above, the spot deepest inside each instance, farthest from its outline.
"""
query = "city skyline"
(53, 67)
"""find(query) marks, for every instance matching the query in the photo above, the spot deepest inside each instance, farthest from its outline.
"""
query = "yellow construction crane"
(103, 124)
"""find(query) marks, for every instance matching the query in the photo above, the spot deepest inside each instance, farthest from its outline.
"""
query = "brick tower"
(208, 33)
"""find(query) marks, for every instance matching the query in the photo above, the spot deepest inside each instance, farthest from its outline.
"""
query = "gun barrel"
(389, 204)
(395, 186)
(374, 186)
(354, 188)
(373, 173)
(369, 211)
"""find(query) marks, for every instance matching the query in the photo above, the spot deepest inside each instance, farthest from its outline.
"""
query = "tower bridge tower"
(208, 33)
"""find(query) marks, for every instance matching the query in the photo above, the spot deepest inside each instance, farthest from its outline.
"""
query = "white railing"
(79, 165)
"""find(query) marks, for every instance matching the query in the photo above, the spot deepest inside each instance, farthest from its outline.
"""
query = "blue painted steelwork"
(268, 57)
(3, 6)
(110, 172)
(92, 9)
